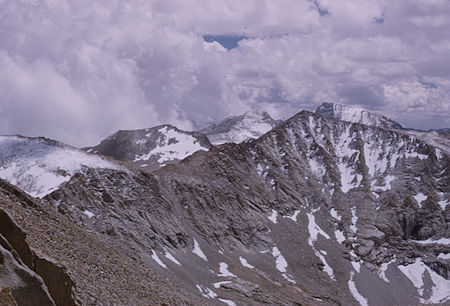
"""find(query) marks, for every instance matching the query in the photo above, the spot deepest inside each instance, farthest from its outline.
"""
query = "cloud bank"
(78, 70)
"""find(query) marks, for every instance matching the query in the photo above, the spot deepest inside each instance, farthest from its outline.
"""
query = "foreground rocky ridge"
(65, 264)
(316, 212)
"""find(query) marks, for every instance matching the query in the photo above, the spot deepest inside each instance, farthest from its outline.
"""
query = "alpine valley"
(340, 206)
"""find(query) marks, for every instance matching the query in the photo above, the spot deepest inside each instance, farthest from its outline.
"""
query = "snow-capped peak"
(153, 147)
(39, 166)
(356, 114)
(240, 128)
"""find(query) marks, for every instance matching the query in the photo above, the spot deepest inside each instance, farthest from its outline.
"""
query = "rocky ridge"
(65, 264)
(356, 114)
(317, 211)
(156, 147)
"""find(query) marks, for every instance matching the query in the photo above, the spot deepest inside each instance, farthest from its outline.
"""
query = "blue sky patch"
(227, 41)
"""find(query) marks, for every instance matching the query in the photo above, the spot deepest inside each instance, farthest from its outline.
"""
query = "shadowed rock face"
(37, 281)
(317, 211)
(152, 148)
(19, 285)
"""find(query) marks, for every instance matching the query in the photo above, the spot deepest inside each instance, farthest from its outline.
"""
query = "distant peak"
(251, 124)
(327, 106)
(258, 114)
(356, 114)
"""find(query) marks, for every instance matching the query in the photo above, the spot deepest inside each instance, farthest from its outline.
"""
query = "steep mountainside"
(437, 139)
(240, 128)
(47, 259)
(40, 165)
(317, 211)
(356, 115)
(152, 148)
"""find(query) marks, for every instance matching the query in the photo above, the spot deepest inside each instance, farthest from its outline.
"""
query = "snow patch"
(440, 290)
(197, 251)
(224, 272)
(340, 238)
(88, 213)
(419, 198)
(273, 216)
(281, 264)
(354, 291)
(444, 200)
(383, 268)
(356, 266)
(280, 261)
(206, 292)
(294, 216)
(245, 263)
(314, 230)
(218, 284)
(335, 214)
(172, 145)
(228, 302)
(445, 241)
(326, 267)
(171, 258)
(444, 256)
(158, 261)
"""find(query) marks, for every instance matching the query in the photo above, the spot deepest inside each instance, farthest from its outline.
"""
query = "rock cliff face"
(317, 211)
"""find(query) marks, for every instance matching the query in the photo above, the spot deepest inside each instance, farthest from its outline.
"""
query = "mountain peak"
(356, 114)
(153, 147)
(240, 128)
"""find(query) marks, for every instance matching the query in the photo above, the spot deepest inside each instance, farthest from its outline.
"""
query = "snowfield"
(39, 166)
(172, 145)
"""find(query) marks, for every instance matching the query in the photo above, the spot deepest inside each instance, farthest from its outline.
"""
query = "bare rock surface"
(78, 267)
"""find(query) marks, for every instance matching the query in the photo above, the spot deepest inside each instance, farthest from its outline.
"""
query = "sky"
(79, 70)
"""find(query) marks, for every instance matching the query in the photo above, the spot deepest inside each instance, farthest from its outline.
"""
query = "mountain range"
(340, 206)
